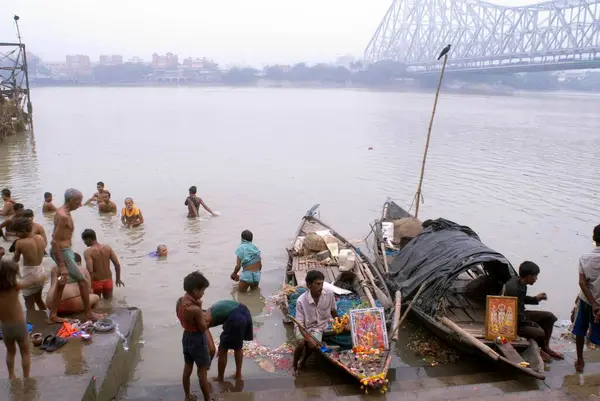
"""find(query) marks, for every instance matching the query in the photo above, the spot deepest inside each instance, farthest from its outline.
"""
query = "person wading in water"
(63, 255)
(193, 203)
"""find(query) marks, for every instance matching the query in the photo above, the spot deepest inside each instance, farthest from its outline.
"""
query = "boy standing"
(97, 260)
(32, 247)
(588, 310)
(12, 318)
(536, 324)
(196, 337)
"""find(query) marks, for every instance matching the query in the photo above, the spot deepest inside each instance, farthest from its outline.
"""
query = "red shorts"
(99, 286)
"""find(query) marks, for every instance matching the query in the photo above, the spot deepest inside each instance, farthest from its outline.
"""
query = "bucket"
(387, 228)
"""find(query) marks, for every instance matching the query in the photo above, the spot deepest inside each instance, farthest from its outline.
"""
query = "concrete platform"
(467, 380)
(78, 371)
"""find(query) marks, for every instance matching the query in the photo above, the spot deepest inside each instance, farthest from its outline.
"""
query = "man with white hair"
(63, 255)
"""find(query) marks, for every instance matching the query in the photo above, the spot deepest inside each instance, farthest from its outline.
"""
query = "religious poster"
(501, 318)
(368, 328)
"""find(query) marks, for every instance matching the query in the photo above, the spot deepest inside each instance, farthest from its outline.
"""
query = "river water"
(522, 171)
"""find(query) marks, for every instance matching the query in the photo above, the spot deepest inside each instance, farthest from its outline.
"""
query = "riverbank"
(79, 370)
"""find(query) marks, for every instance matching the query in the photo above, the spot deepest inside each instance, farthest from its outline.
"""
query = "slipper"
(56, 343)
(104, 325)
(46, 341)
(37, 339)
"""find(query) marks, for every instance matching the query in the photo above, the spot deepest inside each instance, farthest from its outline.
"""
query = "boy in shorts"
(197, 341)
(237, 328)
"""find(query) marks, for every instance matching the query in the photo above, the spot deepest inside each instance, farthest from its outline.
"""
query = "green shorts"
(68, 256)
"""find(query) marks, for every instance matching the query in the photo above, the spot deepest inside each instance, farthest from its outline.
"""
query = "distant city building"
(345, 61)
(135, 60)
(199, 63)
(168, 61)
(78, 62)
(111, 60)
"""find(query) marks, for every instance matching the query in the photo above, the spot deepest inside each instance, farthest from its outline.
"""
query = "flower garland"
(378, 380)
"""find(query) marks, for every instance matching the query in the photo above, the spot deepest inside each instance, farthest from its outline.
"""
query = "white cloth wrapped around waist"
(28, 270)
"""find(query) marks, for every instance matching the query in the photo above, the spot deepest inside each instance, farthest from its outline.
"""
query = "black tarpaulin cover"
(438, 255)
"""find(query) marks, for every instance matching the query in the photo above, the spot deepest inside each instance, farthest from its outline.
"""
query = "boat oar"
(305, 331)
(386, 302)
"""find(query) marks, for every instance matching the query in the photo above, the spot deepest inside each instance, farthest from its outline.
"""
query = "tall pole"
(418, 195)
(26, 72)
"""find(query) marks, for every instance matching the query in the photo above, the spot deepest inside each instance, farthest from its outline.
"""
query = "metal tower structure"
(559, 34)
(14, 79)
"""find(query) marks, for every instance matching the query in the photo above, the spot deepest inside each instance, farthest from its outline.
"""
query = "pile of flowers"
(339, 324)
(377, 381)
(501, 340)
(360, 350)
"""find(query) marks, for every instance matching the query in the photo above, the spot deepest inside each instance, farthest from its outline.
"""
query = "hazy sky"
(256, 32)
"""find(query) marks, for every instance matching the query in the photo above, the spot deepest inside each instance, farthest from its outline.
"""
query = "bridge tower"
(15, 102)
(558, 34)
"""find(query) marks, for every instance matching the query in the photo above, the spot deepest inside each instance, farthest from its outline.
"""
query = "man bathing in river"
(48, 206)
(71, 301)
(197, 342)
(64, 257)
(588, 309)
(249, 261)
(7, 209)
(314, 309)
(35, 227)
(12, 318)
(97, 197)
(32, 247)
(97, 260)
(534, 324)
(107, 206)
(193, 203)
(7, 224)
(131, 216)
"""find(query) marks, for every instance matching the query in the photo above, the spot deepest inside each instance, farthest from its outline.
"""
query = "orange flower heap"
(339, 324)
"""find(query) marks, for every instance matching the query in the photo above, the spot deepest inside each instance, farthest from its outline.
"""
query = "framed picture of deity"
(501, 317)
(368, 328)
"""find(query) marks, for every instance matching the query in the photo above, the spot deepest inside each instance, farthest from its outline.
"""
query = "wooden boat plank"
(509, 352)
(300, 277)
(335, 273)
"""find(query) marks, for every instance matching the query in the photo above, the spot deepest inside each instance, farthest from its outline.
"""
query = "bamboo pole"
(363, 284)
(418, 195)
(469, 338)
(394, 337)
(386, 302)
(384, 255)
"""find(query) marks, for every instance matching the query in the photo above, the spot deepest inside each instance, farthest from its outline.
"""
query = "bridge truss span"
(561, 33)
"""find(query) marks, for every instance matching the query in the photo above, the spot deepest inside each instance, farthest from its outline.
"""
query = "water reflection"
(24, 390)
(73, 354)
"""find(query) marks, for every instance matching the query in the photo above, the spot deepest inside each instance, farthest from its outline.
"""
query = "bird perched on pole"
(444, 51)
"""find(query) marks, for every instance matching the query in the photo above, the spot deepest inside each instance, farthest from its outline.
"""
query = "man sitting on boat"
(314, 309)
(536, 325)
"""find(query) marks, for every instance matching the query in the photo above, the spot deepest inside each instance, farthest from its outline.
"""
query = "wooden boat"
(356, 274)
(385, 248)
(446, 272)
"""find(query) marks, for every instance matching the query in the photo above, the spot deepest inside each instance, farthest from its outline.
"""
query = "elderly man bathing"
(61, 252)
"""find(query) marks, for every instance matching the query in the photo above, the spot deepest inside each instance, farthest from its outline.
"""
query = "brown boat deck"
(302, 264)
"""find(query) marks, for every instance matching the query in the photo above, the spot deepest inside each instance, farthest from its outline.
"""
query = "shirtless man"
(7, 210)
(35, 227)
(97, 260)
(32, 247)
(8, 223)
(64, 257)
(107, 206)
(71, 299)
(193, 203)
(48, 206)
(97, 197)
